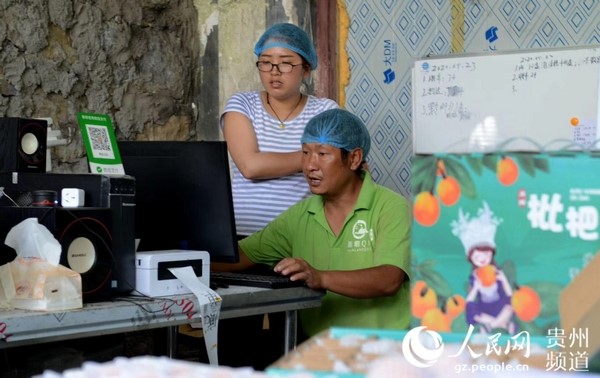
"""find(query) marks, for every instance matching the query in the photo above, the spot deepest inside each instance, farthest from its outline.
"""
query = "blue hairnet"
(338, 128)
(290, 37)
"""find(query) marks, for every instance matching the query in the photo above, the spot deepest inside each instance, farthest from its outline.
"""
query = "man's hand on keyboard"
(299, 270)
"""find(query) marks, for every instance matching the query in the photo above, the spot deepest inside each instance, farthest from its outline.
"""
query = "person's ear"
(356, 158)
(306, 71)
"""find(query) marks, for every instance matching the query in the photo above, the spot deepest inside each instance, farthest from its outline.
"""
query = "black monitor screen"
(183, 196)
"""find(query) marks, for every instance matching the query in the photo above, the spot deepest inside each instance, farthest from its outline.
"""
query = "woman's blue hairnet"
(338, 128)
(290, 37)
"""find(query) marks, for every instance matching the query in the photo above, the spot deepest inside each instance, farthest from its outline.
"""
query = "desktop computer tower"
(97, 239)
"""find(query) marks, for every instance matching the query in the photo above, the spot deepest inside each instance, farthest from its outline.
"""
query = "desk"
(132, 313)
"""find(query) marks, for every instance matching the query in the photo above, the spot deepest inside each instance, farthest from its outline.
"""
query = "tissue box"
(35, 284)
(35, 280)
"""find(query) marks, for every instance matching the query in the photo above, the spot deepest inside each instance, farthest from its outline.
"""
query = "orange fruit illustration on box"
(526, 303)
(423, 298)
(426, 209)
(436, 320)
(507, 171)
(448, 190)
(455, 305)
(487, 275)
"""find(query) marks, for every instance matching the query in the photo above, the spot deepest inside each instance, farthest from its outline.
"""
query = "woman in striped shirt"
(263, 128)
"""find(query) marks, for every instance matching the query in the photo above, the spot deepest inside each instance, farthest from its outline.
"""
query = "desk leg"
(172, 341)
(291, 325)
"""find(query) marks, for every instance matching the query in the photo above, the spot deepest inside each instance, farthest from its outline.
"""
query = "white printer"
(153, 277)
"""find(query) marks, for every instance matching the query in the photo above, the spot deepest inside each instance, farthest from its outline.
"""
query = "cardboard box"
(579, 305)
(497, 238)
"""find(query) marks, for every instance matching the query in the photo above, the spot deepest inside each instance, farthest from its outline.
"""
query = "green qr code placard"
(100, 144)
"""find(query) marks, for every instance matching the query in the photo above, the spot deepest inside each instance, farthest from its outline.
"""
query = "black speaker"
(23, 145)
(109, 211)
(87, 243)
(88, 247)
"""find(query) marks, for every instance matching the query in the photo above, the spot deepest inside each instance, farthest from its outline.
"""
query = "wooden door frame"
(327, 49)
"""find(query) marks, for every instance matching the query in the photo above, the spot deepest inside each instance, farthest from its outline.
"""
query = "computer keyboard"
(253, 280)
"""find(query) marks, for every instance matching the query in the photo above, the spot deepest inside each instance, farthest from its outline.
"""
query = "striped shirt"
(257, 202)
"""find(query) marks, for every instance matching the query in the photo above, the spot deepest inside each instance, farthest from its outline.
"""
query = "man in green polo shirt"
(351, 238)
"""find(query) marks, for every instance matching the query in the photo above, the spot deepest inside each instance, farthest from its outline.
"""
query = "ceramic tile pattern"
(386, 36)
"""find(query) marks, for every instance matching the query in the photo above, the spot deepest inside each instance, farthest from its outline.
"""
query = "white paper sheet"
(210, 307)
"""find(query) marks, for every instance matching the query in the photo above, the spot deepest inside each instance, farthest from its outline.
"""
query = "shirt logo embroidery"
(360, 243)
(359, 230)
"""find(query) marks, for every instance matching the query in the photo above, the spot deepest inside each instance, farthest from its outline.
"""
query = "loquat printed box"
(496, 238)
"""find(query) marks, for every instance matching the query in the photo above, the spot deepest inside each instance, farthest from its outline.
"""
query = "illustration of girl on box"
(489, 295)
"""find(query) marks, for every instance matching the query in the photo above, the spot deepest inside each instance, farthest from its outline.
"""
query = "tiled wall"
(386, 36)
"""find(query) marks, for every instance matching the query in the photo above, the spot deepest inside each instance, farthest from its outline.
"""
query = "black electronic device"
(106, 223)
(269, 281)
(183, 196)
(23, 144)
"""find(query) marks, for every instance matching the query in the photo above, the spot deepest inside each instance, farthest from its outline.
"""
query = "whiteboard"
(513, 101)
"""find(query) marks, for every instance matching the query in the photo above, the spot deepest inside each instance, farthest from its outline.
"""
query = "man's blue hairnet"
(290, 37)
(338, 128)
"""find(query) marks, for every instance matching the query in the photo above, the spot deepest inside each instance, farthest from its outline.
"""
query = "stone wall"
(160, 68)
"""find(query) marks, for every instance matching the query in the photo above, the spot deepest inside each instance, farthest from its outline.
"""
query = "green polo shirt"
(377, 232)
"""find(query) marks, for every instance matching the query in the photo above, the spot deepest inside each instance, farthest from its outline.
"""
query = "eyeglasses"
(281, 67)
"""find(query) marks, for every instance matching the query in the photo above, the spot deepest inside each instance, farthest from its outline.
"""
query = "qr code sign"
(100, 142)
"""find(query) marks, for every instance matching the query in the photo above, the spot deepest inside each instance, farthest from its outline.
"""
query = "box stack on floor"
(370, 353)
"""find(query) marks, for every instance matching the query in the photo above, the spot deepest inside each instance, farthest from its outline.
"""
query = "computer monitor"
(183, 196)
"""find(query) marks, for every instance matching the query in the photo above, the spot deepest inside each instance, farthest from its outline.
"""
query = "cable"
(149, 300)
(2, 192)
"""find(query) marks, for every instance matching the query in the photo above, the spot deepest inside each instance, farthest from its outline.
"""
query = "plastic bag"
(34, 280)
